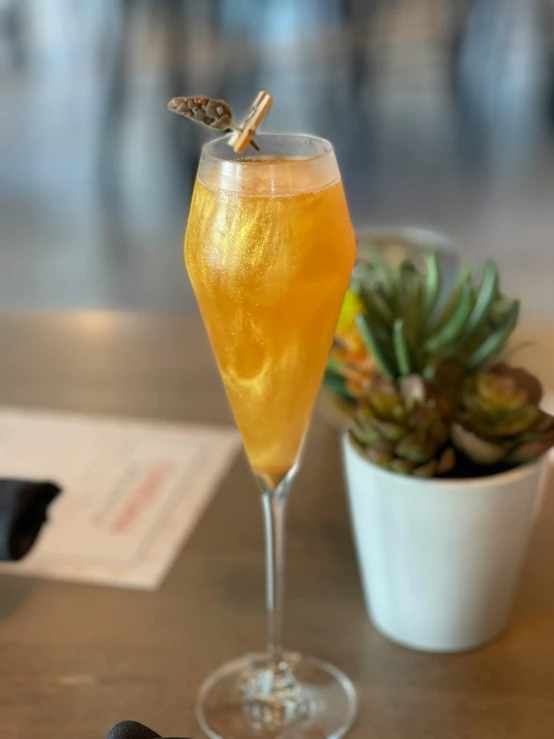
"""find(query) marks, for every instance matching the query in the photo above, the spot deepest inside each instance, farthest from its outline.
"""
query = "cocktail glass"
(269, 250)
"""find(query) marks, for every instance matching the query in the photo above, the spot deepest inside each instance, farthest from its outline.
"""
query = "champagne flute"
(269, 250)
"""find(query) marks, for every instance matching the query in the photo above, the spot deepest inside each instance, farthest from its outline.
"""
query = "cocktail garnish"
(217, 115)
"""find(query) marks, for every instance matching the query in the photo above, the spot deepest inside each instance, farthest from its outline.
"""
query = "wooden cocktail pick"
(217, 115)
(258, 111)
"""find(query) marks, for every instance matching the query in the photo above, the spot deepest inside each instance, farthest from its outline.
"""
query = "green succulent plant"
(403, 426)
(407, 330)
(436, 402)
(498, 418)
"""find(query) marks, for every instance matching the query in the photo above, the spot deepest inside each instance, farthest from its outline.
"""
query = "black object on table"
(132, 730)
(23, 508)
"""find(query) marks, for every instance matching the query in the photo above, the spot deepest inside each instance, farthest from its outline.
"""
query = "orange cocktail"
(269, 251)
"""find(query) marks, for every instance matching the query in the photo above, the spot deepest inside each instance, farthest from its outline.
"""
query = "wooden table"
(74, 659)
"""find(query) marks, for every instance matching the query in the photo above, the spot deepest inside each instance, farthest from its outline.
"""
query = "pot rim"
(523, 471)
(434, 238)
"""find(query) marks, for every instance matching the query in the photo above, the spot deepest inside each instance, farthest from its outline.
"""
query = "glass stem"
(274, 504)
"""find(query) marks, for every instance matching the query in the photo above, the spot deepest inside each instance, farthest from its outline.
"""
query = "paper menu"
(132, 491)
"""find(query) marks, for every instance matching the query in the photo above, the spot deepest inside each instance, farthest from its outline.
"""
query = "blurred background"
(441, 112)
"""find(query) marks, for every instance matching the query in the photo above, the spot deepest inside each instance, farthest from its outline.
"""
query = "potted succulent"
(444, 453)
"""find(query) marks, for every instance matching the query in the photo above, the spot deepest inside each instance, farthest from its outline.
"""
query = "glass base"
(299, 698)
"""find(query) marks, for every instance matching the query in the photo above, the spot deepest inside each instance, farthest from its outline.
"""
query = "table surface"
(75, 659)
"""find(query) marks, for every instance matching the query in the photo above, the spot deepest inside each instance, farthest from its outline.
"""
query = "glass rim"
(327, 148)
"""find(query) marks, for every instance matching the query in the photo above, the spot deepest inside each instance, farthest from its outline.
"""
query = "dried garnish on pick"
(216, 114)
(213, 113)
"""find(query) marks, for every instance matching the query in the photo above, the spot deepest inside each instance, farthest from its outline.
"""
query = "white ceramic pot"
(440, 559)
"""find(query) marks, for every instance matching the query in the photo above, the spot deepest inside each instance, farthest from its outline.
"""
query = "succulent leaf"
(477, 449)
(452, 301)
(498, 417)
(386, 368)
(403, 426)
(452, 327)
(431, 287)
(495, 341)
(401, 350)
(485, 297)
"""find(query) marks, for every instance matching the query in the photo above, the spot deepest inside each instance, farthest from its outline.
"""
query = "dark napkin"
(23, 506)
(132, 730)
